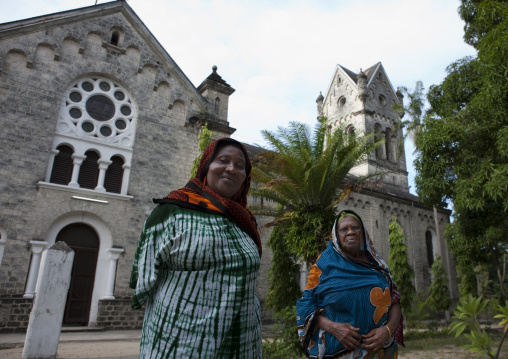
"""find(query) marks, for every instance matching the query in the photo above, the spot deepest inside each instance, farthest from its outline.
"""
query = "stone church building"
(97, 119)
(362, 103)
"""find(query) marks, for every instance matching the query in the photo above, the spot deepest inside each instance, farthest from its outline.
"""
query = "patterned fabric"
(196, 195)
(345, 291)
(197, 272)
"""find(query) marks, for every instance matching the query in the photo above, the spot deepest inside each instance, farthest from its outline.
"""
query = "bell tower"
(363, 103)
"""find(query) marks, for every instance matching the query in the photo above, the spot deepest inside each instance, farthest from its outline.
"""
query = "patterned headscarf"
(198, 196)
(368, 244)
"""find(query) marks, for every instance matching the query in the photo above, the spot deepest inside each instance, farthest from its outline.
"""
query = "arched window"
(378, 136)
(114, 175)
(430, 248)
(61, 172)
(388, 145)
(115, 36)
(89, 171)
(97, 121)
(217, 104)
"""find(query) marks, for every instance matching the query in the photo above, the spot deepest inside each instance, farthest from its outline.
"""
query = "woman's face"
(226, 173)
(350, 236)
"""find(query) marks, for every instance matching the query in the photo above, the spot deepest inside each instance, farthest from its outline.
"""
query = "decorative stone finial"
(320, 97)
(214, 68)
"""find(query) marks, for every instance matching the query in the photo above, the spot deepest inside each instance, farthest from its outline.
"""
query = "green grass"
(433, 341)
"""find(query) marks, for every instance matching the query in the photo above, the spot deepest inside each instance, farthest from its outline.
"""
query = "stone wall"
(37, 64)
(118, 314)
(377, 211)
(14, 314)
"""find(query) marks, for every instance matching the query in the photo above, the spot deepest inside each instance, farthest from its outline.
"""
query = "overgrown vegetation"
(439, 293)
(466, 318)
(398, 262)
(205, 138)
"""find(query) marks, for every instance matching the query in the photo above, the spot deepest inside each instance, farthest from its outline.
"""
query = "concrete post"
(37, 248)
(304, 275)
(114, 254)
(46, 317)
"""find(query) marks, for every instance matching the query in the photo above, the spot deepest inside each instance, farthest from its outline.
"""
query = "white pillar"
(103, 166)
(52, 156)
(46, 317)
(304, 275)
(37, 248)
(2, 247)
(125, 180)
(77, 160)
(114, 254)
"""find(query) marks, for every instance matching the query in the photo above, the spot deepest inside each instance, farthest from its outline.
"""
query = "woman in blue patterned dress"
(196, 265)
(350, 308)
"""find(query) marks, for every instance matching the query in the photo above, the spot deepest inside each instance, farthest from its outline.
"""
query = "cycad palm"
(304, 172)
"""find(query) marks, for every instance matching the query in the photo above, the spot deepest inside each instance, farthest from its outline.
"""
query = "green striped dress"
(197, 273)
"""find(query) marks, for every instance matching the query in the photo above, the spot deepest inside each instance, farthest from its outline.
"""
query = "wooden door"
(85, 243)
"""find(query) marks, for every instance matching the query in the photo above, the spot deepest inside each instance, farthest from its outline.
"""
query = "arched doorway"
(84, 241)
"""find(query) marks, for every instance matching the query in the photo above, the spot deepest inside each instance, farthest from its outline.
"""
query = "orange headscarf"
(197, 196)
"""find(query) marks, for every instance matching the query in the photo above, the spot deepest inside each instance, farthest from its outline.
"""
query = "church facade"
(97, 119)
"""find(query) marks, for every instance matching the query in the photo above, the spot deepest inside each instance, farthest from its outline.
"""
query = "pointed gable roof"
(371, 73)
(26, 26)
(215, 81)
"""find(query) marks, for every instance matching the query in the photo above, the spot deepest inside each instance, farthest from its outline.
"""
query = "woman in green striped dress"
(196, 264)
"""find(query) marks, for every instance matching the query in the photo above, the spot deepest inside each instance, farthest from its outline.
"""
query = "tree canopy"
(462, 151)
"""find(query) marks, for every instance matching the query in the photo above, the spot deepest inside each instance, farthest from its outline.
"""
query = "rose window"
(101, 108)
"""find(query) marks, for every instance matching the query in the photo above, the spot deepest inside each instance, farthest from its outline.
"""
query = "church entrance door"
(84, 241)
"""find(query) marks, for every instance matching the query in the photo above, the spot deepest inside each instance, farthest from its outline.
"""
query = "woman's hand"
(345, 333)
(375, 339)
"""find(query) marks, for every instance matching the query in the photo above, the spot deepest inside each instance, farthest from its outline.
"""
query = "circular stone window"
(99, 107)
(382, 100)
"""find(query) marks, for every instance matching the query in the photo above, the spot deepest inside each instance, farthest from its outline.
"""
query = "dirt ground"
(130, 349)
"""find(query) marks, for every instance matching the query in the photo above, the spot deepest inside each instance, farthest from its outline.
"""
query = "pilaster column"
(103, 166)
(125, 180)
(37, 248)
(114, 254)
(77, 160)
(2, 247)
(52, 156)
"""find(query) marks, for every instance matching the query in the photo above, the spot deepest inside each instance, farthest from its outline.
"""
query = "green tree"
(439, 294)
(462, 152)
(283, 289)
(398, 262)
(304, 173)
(414, 110)
(205, 138)
(465, 264)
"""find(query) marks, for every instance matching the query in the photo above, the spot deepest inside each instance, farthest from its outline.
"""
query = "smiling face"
(350, 233)
(226, 172)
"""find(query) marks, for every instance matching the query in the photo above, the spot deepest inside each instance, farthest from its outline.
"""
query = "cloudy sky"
(279, 54)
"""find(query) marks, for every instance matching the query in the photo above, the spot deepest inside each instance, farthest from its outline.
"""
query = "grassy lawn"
(432, 341)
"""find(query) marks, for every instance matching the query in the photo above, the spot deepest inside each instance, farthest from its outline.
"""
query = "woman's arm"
(376, 338)
(345, 333)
